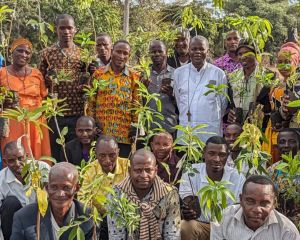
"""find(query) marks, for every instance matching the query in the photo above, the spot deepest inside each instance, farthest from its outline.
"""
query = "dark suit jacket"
(24, 224)
(73, 151)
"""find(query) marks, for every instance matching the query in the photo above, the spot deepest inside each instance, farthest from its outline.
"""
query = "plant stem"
(60, 136)
(38, 225)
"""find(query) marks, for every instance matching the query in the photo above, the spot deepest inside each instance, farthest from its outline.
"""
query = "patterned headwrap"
(294, 49)
(20, 41)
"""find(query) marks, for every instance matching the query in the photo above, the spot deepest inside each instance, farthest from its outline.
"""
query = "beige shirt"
(233, 227)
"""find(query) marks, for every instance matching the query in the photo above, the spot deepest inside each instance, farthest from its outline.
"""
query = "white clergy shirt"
(189, 89)
(233, 227)
(198, 181)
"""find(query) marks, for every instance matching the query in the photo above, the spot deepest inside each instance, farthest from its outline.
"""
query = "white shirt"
(11, 186)
(198, 181)
(189, 89)
(233, 227)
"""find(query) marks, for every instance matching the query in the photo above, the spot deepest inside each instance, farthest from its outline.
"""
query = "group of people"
(168, 208)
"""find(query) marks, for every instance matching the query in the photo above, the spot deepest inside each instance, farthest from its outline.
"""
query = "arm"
(224, 101)
(171, 228)
(18, 232)
(176, 90)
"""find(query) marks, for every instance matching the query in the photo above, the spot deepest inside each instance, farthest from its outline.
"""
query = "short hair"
(162, 133)
(235, 124)
(106, 138)
(233, 31)
(158, 41)
(217, 140)
(64, 166)
(86, 118)
(200, 38)
(143, 151)
(183, 34)
(62, 17)
(12, 145)
(121, 41)
(259, 179)
(103, 34)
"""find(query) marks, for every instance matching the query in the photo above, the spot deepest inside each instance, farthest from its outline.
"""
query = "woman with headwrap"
(28, 88)
(282, 117)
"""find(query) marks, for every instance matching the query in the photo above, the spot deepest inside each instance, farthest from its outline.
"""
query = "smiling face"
(232, 132)
(120, 55)
(257, 201)
(85, 131)
(246, 57)
(288, 142)
(198, 51)
(21, 55)
(15, 160)
(182, 46)
(162, 146)
(215, 156)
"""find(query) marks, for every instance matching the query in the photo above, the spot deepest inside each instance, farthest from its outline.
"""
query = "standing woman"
(29, 89)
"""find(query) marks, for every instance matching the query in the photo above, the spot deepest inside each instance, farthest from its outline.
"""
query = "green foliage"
(214, 198)
(125, 213)
(76, 232)
(219, 90)
(188, 18)
(5, 94)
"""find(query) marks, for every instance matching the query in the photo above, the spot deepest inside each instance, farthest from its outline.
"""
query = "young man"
(230, 62)
(181, 50)
(195, 224)
(162, 82)
(12, 186)
(64, 56)
(190, 86)
(103, 48)
(162, 148)
(157, 201)
(78, 149)
(255, 217)
(112, 105)
(62, 187)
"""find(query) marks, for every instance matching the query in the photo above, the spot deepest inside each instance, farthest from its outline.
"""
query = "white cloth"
(233, 227)
(198, 181)
(189, 92)
(11, 186)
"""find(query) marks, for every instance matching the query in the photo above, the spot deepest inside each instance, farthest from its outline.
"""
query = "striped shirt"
(233, 227)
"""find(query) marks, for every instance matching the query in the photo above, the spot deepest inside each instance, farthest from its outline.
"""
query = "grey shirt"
(168, 106)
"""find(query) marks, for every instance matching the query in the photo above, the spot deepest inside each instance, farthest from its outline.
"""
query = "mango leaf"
(42, 199)
(295, 103)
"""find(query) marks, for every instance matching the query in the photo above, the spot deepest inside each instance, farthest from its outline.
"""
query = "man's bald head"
(64, 169)
(145, 154)
(12, 146)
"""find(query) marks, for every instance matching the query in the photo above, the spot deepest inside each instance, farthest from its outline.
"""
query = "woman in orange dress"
(28, 84)
(288, 59)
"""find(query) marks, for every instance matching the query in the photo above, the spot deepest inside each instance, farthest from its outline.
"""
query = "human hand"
(231, 116)
(166, 89)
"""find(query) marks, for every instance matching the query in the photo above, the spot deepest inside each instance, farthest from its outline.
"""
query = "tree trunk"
(126, 17)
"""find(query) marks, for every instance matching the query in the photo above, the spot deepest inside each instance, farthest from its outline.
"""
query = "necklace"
(190, 102)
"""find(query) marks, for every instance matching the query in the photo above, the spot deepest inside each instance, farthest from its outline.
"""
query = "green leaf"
(80, 234)
(64, 131)
(295, 103)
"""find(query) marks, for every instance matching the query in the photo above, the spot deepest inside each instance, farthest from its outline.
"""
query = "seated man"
(161, 146)
(12, 186)
(195, 224)
(62, 187)
(255, 216)
(78, 149)
(158, 202)
(288, 141)
(110, 165)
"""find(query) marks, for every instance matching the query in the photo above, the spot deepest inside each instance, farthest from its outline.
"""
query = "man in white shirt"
(190, 83)
(195, 224)
(12, 186)
(255, 217)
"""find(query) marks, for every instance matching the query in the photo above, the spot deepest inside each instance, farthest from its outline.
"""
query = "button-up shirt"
(167, 104)
(110, 179)
(198, 181)
(11, 186)
(189, 89)
(233, 227)
(113, 103)
(227, 64)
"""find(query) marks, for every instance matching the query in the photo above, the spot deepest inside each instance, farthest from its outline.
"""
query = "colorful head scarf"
(293, 49)
(20, 41)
